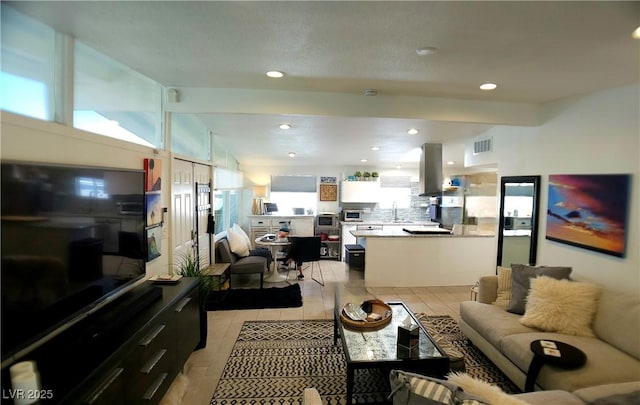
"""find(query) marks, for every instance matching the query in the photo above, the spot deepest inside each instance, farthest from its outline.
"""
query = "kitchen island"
(396, 258)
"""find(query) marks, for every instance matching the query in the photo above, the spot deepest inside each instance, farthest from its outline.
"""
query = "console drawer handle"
(106, 384)
(146, 341)
(183, 304)
(146, 369)
(156, 384)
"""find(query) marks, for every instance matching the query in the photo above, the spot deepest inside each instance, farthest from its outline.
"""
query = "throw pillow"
(504, 287)
(521, 275)
(414, 389)
(562, 306)
(238, 229)
(237, 243)
(490, 393)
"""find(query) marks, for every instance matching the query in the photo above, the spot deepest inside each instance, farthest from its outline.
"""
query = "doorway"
(189, 219)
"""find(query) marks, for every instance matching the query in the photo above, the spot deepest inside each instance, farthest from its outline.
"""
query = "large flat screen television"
(72, 239)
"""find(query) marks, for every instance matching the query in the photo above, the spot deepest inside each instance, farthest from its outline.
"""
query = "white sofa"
(612, 356)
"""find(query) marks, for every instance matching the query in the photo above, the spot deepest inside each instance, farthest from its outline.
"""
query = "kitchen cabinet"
(261, 225)
(360, 191)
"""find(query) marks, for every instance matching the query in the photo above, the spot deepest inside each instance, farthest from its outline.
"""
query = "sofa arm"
(487, 289)
(311, 397)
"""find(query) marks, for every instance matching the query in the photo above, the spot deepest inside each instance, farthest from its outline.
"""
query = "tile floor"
(205, 366)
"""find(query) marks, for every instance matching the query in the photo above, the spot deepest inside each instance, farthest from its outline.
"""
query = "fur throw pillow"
(490, 393)
(562, 306)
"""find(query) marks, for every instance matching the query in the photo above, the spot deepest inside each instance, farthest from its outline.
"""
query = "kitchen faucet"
(394, 209)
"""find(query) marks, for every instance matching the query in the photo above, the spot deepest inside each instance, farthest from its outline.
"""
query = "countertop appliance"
(327, 220)
(352, 215)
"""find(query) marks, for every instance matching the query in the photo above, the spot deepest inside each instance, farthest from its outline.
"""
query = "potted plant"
(188, 266)
(367, 176)
(357, 175)
(374, 176)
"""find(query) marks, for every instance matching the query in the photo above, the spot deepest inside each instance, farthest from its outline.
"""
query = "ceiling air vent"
(483, 146)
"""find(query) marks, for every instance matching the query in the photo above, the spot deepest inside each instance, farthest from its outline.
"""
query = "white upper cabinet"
(360, 191)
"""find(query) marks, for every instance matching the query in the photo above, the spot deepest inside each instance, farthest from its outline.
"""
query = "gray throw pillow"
(521, 276)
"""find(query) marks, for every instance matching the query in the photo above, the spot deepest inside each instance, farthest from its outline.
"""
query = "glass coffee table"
(379, 349)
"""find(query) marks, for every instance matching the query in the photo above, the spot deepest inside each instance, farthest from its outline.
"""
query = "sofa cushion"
(504, 287)
(623, 393)
(238, 243)
(490, 321)
(597, 370)
(562, 306)
(617, 321)
(550, 397)
(250, 265)
(520, 282)
(224, 250)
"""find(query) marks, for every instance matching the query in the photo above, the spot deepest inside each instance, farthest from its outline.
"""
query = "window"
(226, 205)
(27, 77)
(290, 192)
(113, 100)
(190, 137)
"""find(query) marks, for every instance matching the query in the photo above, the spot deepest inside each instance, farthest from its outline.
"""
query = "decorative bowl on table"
(370, 315)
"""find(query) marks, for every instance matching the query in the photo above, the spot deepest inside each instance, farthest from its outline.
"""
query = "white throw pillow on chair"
(238, 241)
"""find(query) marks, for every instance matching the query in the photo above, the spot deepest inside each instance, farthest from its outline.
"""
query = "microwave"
(352, 215)
(327, 220)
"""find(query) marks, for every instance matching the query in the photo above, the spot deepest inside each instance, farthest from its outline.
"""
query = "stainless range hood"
(431, 170)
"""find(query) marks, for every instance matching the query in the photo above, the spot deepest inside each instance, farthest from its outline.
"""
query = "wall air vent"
(483, 146)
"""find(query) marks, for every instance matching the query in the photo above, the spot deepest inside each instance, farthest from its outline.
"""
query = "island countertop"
(398, 231)
(396, 258)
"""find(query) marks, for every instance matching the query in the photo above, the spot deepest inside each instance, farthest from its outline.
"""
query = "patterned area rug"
(273, 361)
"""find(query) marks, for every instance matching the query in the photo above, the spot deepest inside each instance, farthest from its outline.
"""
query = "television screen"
(71, 237)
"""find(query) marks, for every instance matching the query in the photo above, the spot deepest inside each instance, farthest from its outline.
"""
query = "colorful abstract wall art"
(589, 211)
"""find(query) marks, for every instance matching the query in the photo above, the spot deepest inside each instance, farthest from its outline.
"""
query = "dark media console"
(128, 352)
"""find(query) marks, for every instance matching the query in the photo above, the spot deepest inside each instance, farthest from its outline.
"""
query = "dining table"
(274, 244)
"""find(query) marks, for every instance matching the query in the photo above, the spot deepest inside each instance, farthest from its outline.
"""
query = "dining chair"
(306, 249)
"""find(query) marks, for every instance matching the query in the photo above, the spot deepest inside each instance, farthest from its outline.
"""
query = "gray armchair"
(239, 265)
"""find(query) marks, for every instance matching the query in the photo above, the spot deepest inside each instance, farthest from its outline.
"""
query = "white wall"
(594, 134)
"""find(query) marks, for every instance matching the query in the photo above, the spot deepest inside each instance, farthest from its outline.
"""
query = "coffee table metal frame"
(374, 349)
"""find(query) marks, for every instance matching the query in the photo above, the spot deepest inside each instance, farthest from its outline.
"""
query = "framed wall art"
(153, 172)
(328, 192)
(589, 211)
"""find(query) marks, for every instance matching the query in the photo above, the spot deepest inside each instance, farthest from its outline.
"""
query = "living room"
(593, 132)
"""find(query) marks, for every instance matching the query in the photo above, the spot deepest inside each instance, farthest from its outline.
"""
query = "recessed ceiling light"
(363, 160)
(285, 126)
(427, 50)
(412, 131)
(291, 154)
(275, 74)
(636, 33)
(375, 148)
(488, 86)
(451, 162)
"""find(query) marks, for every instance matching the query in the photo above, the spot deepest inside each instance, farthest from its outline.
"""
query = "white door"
(187, 207)
(202, 175)
(182, 208)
